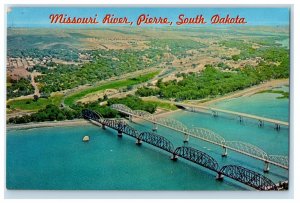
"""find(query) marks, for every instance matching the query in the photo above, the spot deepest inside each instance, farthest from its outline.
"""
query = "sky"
(39, 16)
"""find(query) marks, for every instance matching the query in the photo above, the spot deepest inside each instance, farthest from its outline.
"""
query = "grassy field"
(161, 104)
(165, 105)
(29, 104)
(71, 99)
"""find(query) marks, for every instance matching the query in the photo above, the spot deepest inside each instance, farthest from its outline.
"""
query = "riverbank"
(75, 122)
(160, 112)
(24, 126)
(249, 91)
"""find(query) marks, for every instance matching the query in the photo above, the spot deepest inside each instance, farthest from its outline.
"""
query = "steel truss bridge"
(207, 136)
(235, 172)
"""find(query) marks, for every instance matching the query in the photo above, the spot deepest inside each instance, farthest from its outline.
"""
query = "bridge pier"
(240, 119)
(225, 152)
(155, 127)
(277, 126)
(220, 177)
(267, 167)
(192, 109)
(186, 138)
(119, 133)
(103, 127)
(215, 114)
(174, 157)
(260, 123)
(138, 141)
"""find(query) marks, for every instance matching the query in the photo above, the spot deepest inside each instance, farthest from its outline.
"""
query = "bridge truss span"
(248, 177)
(128, 130)
(207, 135)
(157, 140)
(283, 160)
(144, 114)
(165, 122)
(172, 123)
(197, 157)
(247, 149)
(113, 123)
(122, 108)
(92, 115)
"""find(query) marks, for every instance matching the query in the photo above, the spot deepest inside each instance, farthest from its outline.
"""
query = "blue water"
(262, 104)
(56, 158)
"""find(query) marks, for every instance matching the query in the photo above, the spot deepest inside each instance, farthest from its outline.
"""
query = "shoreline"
(165, 113)
(25, 126)
(66, 123)
(248, 91)
(161, 113)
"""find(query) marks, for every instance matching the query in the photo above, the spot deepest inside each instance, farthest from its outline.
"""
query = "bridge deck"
(235, 113)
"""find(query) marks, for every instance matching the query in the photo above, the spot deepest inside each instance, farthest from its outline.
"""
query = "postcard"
(147, 98)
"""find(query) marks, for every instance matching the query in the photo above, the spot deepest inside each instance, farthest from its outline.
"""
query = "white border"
(163, 194)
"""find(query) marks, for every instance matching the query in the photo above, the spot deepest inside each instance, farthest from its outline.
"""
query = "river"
(56, 157)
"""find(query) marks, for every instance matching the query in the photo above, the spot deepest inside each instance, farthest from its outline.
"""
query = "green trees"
(19, 88)
(213, 82)
(49, 113)
(273, 64)
(146, 91)
(35, 98)
(270, 51)
(105, 64)
(64, 53)
(235, 57)
(105, 111)
(134, 103)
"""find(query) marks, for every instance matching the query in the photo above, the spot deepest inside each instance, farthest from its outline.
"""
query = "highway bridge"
(216, 111)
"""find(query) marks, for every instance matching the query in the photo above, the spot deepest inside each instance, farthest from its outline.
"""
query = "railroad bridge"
(237, 173)
(209, 136)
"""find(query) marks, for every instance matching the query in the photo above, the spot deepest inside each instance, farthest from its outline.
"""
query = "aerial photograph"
(156, 98)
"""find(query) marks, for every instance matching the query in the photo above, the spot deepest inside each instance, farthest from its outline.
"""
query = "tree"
(159, 82)
(129, 87)
(235, 57)
(35, 97)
